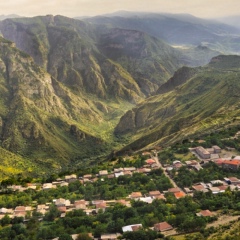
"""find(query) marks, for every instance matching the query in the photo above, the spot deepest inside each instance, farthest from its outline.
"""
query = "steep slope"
(74, 52)
(149, 60)
(202, 100)
(45, 123)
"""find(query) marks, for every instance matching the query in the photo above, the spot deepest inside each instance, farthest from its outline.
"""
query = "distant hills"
(66, 83)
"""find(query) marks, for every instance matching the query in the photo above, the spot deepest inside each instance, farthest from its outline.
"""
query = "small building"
(154, 193)
(80, 204)
(150, 161)
(234, 180)
(174, 190)
(162, 227)
(110, 236)
(179, 194)
(118, 174)
(231, 164)
(71, 178)
(103, 173)
(136, 195)
(205, 213)
(202, 152)
(217, 149)
(131, 228)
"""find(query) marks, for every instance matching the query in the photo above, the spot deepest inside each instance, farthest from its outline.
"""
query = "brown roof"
(101, 205)
(136, 194)
(198, 187)
(20, 208)
(163, 226)
(154, 193)
(174, 190)
(62, 208)
(136, 227)
(206, 213)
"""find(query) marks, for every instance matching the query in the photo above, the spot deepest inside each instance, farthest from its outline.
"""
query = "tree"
(5, 220)
(65, 236)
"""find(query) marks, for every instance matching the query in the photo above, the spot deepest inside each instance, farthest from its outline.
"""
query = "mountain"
(84, 56)
(41, 120)
(194, 101)
(176, 29)
(65, 90)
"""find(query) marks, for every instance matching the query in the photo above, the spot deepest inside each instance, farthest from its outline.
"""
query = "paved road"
(164, 170)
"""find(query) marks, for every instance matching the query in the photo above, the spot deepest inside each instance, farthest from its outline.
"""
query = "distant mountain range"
(66, 83)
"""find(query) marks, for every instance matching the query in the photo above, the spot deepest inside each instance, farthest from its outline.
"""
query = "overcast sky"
(73, 8)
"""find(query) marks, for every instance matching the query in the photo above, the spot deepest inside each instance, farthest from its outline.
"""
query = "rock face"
(115, 63)
(38, 114)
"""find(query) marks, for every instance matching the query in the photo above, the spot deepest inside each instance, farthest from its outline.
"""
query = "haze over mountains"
(65, 84)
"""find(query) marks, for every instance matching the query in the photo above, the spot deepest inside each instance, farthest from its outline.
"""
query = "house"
(20, 211)
(131, 228)
(179, 194)
(62, 202)
(118, 174)
(234, 180)
(131, 169)
(80, 204)
(116, 170)
(174, 190)
(136, 195)
(42, 208)
(62, 209)
(64, 184)
(202, 152)
(205, 213)
(154, 193)
(217, 149)
(231, 164)
(146, 199)
(103, 173)
(200, 187)
(214, 190)
(162, 227)
(6, 211)
(101, 205)
(47, 186)
(111, 176)
(110, 236)
(71, 178)
(144, 170)
(88, 176)
(150, 161)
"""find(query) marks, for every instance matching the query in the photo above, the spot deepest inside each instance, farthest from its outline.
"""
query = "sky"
(74, 8)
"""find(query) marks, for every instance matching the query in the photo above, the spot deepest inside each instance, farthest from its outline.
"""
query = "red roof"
(163, 226)
(179, 194)
(232, 162)
(150, 161)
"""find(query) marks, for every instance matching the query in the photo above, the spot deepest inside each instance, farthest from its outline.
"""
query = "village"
(151, 164)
